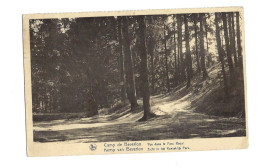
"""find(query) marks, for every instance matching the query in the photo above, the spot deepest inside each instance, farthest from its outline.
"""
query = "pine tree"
(121, 60)
(195, 16)
(131, 91)
(221, 54)
(144, 68)
(202, 50)
(227, 43)
(188, 55)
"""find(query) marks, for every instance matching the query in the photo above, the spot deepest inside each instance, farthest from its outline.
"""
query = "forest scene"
(130, 78)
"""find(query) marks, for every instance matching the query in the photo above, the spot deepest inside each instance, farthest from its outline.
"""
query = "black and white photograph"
(140, 77)
(129, 84)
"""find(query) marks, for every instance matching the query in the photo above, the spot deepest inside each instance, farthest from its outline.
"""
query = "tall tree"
(234, 51)
(175, 54)
(202, 50)
(131, 93)
(144, 67)
(231, 36)
(166, 57)
(188, 55)
(229, 58)
(206, 31)
(180, 54)
(195, 16)
(209, 59)
(221, 54)
(239, 47)
(151, 44)
(121, 60)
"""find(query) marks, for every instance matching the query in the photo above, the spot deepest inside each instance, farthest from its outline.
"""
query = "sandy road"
(174, 120)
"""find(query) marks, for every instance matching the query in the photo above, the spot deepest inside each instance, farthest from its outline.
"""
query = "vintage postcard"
(135, 81)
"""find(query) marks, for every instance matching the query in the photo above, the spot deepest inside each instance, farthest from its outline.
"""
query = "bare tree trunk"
(188, 55)
(121, 62)
(178, 53)
(230, 62)
(196, 42)
(129, 73)
(152, 65)
(50, 104)
(46, 101)
(202, 50)
(151, 49)
(234, 51)
(232, 44)
(175, 56)
(221, 33)
(181, 65)
(209, 60)
(166, 60)
(220, 53)
(239, 47)
(144, 68)
(92, 106)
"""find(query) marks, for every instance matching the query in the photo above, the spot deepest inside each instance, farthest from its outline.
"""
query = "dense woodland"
(86, 64)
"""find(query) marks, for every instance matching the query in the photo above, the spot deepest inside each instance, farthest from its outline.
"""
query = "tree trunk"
(196, 43)
(222, 34)
(209, 60)
(220, 53)
(92, 106)
(188, 55)
(181, 65)
(151, 49)
(234, 51)
(144, 68)
(50, 105)
(230, 30)
(166, 59)
(129, 66)
(229, 58)
(152, 65)
(46, 101)
(175, 56)
(239, 47)
(202, 50)
(121, 61)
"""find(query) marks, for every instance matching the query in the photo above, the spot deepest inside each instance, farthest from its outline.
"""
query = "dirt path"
(174, 121)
